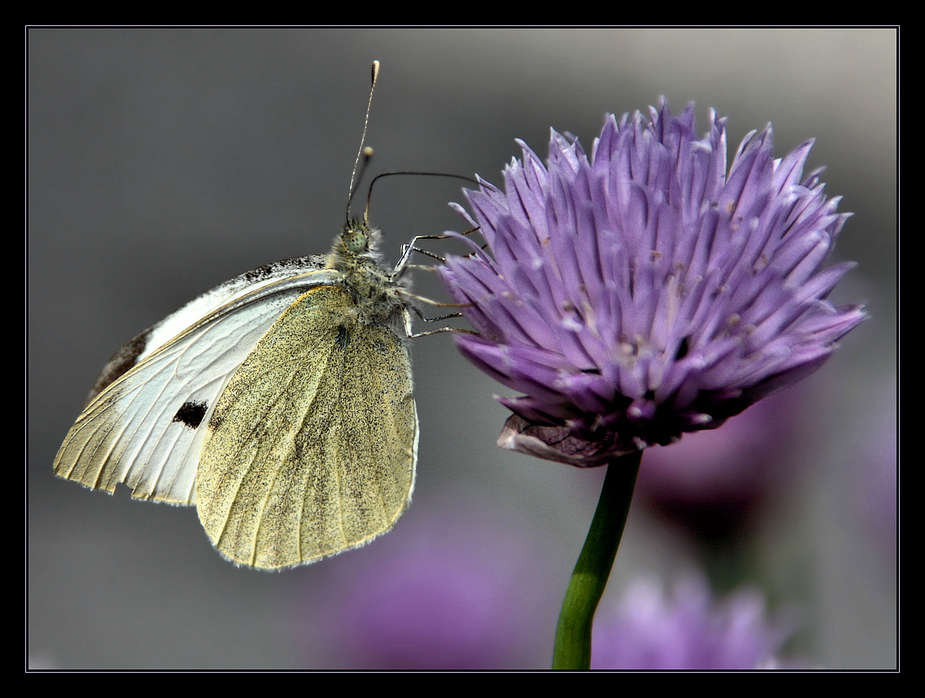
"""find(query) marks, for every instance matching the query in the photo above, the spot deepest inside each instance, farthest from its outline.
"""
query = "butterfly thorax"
(377, 292)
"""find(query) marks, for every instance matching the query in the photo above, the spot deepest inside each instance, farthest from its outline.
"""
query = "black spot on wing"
(191, 414)
(121, 363)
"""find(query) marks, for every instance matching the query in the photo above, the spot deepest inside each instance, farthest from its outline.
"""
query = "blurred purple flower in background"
(687, 629)
(460, 592)
(875, 484)
(647, 292)
(713, 482)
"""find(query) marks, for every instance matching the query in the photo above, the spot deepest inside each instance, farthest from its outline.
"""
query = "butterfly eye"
(355, 239)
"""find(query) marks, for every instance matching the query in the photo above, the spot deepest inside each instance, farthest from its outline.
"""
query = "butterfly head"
(378, 294)
(358, 238)
(356, 248)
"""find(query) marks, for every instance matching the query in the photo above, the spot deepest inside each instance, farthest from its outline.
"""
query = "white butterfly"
(279, 404)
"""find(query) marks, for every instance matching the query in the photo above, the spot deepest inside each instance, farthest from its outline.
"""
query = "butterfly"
(280, 404)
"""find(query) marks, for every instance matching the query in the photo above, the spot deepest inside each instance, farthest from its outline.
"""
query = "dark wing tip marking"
(121, 363)
(269, 270)
(191, 414)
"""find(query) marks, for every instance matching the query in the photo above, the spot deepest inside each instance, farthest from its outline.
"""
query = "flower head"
(646, 291)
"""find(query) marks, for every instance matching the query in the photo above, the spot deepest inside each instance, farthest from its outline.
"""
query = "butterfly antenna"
(364, 153)
(369, 194)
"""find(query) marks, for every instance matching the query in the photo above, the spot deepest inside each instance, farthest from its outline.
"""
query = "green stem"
(573, 634)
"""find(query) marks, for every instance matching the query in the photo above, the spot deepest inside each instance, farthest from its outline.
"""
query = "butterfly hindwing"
(311, 448)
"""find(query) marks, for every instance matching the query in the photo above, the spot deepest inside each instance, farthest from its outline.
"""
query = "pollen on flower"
(647, 290)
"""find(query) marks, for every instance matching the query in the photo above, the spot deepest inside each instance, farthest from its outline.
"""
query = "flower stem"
(573, 634)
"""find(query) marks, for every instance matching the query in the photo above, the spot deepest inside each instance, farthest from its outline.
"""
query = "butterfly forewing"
(311, 449)
(146, 426)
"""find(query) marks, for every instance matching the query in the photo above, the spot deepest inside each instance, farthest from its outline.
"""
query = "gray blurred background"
(163, 162)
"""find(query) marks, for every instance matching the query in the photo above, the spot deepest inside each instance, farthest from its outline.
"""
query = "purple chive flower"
(647, 291)
(687, 630)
